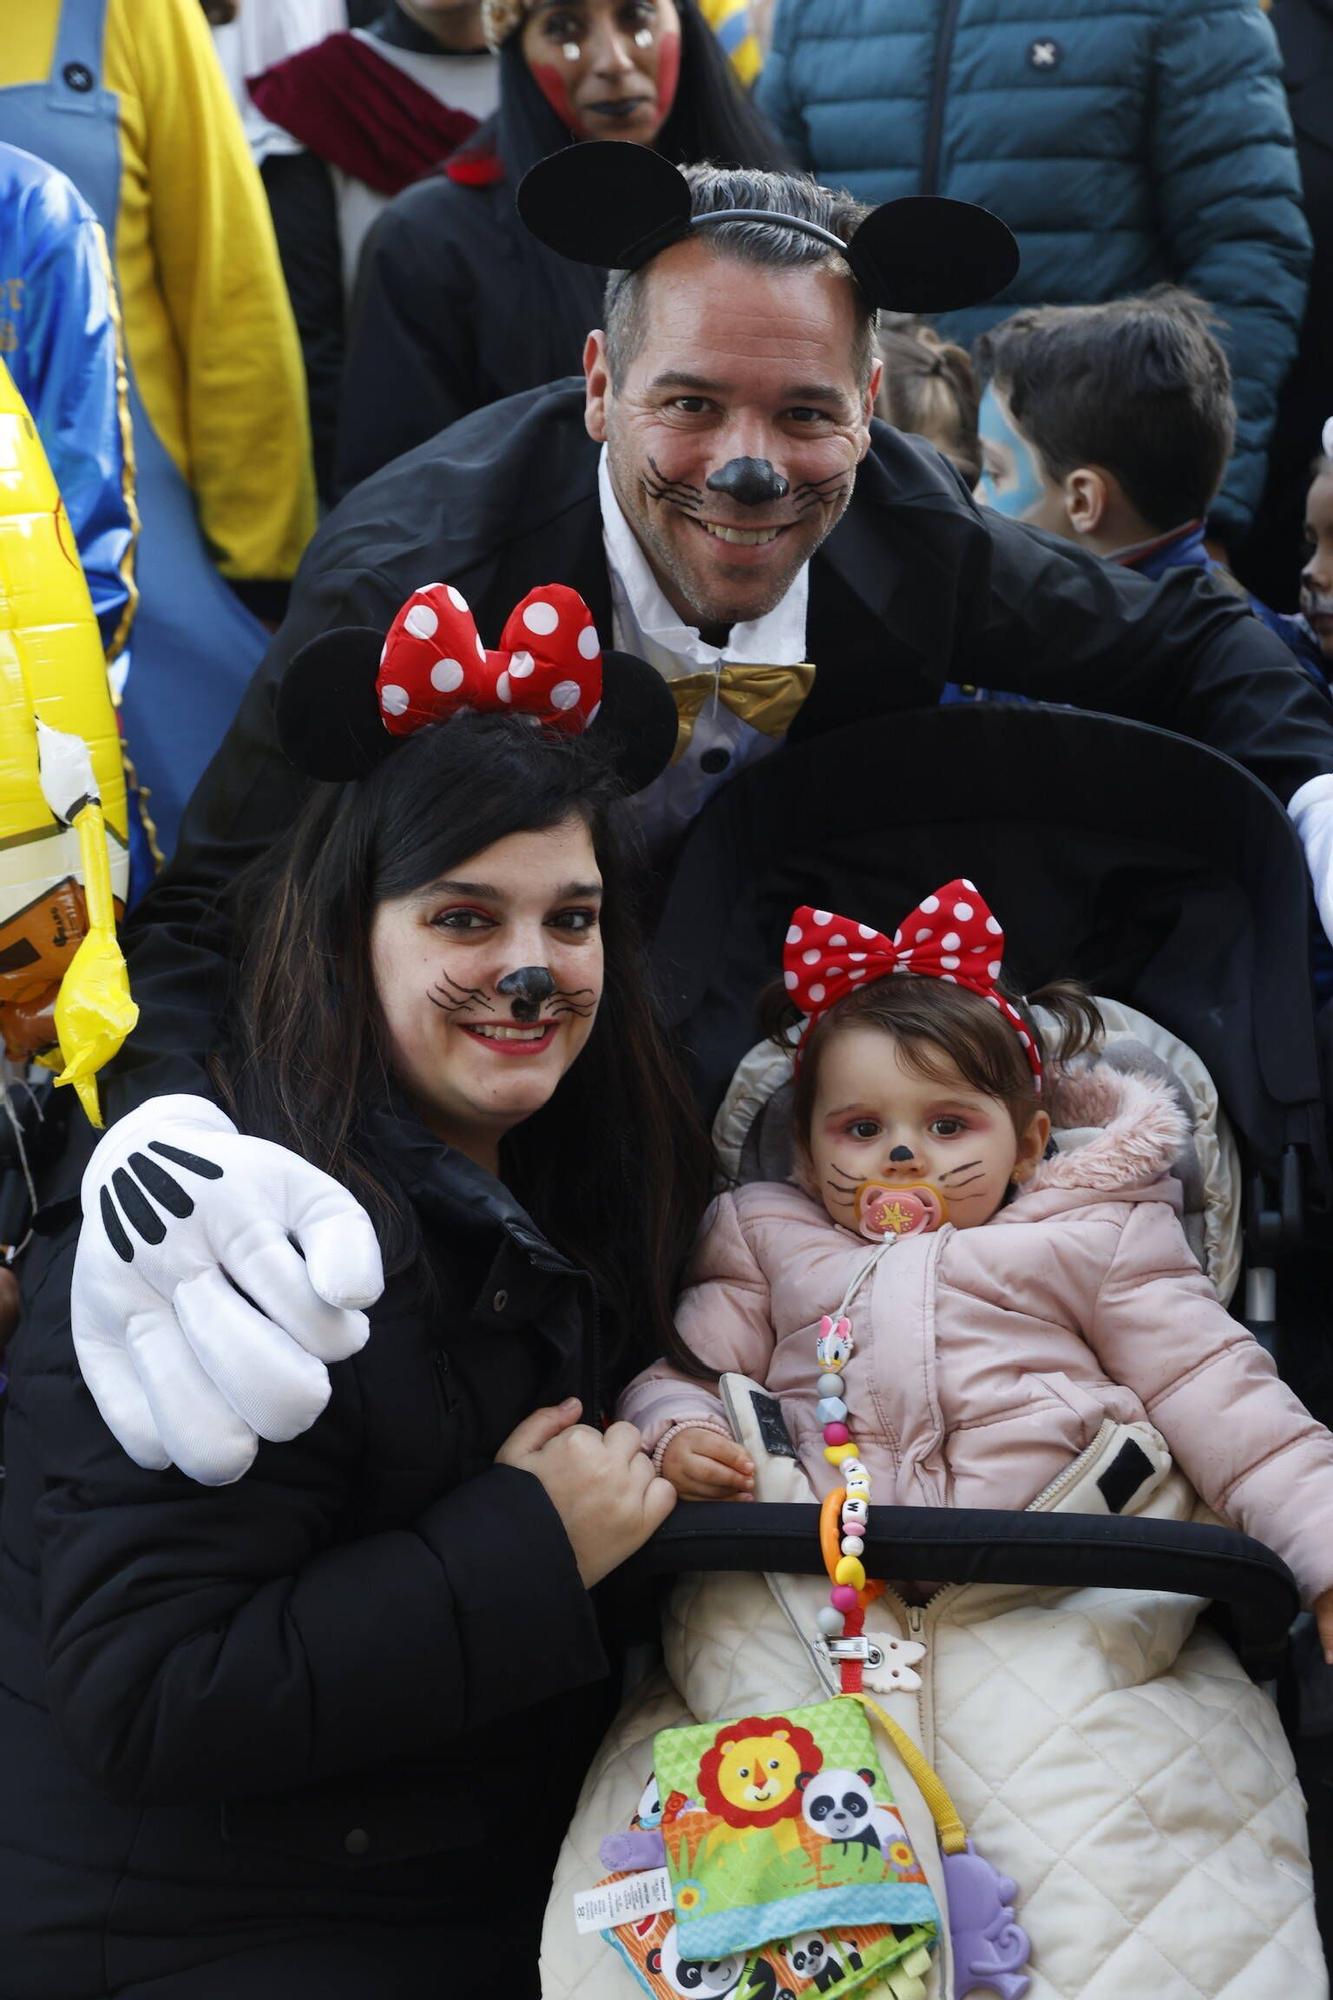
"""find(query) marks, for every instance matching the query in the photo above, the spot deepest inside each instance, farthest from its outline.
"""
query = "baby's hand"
(1323, 1618)
(704, 1465)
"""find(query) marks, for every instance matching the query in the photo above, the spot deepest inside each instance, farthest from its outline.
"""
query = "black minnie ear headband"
(616, 205)
(350, 695)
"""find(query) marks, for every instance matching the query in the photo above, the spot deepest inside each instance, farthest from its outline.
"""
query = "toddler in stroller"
(1011, 1330)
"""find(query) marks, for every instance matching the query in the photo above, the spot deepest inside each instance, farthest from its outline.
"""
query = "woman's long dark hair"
(615, 1168)
(711, 119)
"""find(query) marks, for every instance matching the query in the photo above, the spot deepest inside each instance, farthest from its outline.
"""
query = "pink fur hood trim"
(1141, 1129)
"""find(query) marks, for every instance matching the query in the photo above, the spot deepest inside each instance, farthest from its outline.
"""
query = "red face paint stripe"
(668, 74)
(550, 81)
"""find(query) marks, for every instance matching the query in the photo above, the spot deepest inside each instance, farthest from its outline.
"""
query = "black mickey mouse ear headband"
(616, 205)
(350, 695)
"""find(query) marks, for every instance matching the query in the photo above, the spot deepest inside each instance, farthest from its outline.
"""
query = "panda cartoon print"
(813, 1959)
(840, 1806)
(714, 1978)
(708, 1979)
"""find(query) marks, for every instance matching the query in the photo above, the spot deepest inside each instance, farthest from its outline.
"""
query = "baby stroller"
(1168, 880)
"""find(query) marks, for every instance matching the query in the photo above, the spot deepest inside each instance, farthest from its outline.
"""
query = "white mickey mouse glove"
(1311, 812)
(198, 1326)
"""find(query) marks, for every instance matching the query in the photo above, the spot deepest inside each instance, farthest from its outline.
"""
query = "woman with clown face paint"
(333, 1731)
(456, 305)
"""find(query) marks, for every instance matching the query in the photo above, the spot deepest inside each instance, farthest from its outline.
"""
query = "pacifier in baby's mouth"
(884, 1209)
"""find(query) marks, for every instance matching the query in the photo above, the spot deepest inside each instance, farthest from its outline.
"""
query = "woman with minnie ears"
(1002, 1304)
(457, 305)
(319, 1730)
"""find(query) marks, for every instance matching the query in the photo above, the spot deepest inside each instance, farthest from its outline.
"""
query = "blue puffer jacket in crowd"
(1124, 144)
(59, 338)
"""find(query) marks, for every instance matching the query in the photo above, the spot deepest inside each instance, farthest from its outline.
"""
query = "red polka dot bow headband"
(548, 664)
(951, 935)
(350, 695)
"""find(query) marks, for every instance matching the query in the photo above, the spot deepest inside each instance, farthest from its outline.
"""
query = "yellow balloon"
(52, 669)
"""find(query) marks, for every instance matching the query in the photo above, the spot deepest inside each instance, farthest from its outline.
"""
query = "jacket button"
(715, 760)
(500, 1301)
(357, 1842)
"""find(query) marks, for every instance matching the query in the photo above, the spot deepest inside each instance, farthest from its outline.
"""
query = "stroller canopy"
(1152, 869)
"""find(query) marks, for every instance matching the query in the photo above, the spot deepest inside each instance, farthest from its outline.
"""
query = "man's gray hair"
(714, 188)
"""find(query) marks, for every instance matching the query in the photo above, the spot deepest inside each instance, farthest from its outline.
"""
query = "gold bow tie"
(767, 698)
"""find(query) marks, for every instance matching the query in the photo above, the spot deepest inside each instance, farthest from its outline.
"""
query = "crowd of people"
(489, 428)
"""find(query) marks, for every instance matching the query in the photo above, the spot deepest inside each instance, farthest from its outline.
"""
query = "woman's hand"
(703, 1465)
(603, 1487)
(1323, 1618)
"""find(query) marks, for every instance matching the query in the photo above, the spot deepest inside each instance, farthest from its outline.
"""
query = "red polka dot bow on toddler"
(951, 935)
(548, 664)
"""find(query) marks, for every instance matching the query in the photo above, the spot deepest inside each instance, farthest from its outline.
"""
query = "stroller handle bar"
(975, 1545)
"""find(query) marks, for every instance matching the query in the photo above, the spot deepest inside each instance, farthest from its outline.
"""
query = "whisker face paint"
(451, 998)
(812, 493)
(577, 1000)
(676, 491)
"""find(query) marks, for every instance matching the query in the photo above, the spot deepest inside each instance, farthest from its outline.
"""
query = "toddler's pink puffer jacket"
(987, 1358)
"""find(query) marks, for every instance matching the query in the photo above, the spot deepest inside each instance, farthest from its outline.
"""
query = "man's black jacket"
(915, 587)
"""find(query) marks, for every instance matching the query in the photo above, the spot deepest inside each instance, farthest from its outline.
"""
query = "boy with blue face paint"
(1112, 426)
(1011, 476)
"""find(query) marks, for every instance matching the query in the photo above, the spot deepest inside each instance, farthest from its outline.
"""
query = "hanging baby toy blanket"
(785, 1862)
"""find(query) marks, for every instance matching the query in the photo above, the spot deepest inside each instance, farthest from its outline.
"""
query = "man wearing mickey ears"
(717, 492)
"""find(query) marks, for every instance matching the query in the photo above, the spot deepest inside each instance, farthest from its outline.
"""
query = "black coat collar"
(450, 1191)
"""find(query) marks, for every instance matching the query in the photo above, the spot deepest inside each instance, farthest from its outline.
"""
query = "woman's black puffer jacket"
(319, 1731)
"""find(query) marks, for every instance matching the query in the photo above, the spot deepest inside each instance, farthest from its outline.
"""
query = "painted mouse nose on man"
(750, 482)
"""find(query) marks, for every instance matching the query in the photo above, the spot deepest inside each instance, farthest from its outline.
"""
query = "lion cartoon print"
(753, 1774)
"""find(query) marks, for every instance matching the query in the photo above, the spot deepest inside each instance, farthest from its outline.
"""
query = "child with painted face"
(1112, 426)
(1004, 1299)
(457, 305)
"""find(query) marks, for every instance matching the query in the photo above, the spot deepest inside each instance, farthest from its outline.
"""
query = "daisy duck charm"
(844, 1550)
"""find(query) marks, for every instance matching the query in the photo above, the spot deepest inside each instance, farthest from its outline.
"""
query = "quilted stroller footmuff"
(1104, 1747)
(1105, 1750)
